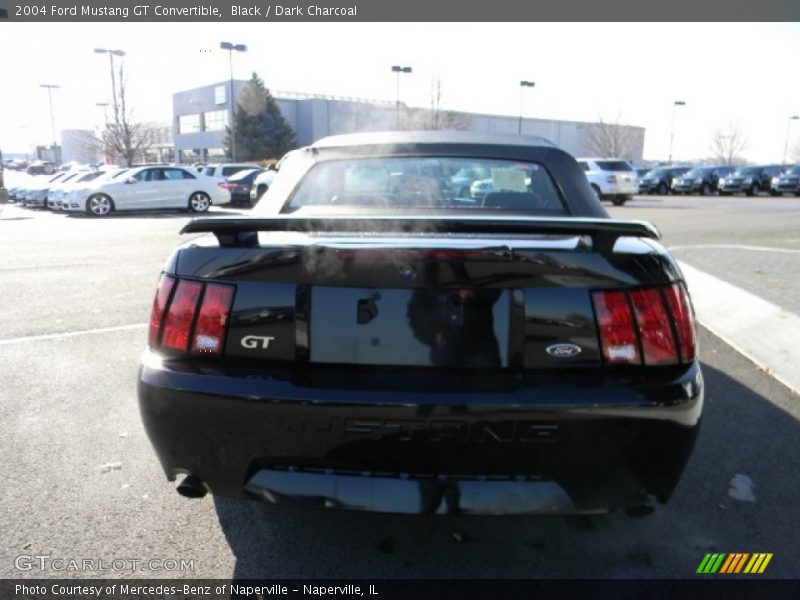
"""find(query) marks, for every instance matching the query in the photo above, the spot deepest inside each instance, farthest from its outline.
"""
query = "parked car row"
(723, 180)
(99, 193)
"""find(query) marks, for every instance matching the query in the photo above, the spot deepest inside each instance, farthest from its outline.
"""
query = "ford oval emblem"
(563, 350)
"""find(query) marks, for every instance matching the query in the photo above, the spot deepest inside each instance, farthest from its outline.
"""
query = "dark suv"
(704, 180)
(788, 182)
(749, 180)
(659, 180)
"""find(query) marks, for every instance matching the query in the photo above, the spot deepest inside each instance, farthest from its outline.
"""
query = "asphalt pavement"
(81, 480)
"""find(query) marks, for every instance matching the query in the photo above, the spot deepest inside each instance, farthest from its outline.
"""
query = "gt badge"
(256, 341)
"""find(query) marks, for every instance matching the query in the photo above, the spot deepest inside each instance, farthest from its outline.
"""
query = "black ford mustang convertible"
(373, 337)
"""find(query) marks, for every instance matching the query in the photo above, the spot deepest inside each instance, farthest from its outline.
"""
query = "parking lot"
(81, 480)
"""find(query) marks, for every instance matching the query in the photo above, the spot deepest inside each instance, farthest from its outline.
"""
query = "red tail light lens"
(681, 311)
(655, 331)
(617, 334)
(209, 332)
(159, 304)
(180, 315)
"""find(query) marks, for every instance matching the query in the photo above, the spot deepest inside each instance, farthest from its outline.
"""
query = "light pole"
(111, 55)
(230, 47)
(522, 85)
(50, 87)
(397, 69)
(676, 104)
(788, 129)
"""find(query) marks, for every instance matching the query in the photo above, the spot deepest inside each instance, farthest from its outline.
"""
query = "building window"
(216, 120)
(220, 95)
(189, 124)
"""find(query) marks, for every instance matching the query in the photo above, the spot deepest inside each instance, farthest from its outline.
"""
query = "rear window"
(614, 165)
(231, 170)
(243, 174)
(420, 182)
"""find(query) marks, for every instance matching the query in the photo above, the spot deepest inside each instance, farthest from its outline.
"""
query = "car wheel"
(620, 200)
(597, 192)
(705, 190)
(199, 202)
(662, 190)
(262, 189)
(775, 193)
(99, 205)
(721, 193)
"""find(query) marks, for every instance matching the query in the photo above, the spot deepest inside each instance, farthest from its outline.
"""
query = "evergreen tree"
(262, 132)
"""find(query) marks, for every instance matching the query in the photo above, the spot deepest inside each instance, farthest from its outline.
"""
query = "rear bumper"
(527, 448)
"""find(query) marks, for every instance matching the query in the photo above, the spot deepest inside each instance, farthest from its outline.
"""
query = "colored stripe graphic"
(711, 563)
(734, 563)
(758, 563)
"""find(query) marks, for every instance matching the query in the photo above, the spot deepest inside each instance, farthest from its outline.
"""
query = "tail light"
(681, 311)
(651, 326)
(190, 315)
(620, 345)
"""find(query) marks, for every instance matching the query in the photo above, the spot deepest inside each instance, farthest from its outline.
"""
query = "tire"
(619, 200)
(753, 190)
(262, 189)
(775, 193)
(597, 192)
(662, 189)
(99, 205)
(199, 202)
(705, 190)
(721, 193)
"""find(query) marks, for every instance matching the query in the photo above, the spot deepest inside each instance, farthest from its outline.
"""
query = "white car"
(222, 170)
(148, 188)
(56, 194)
(261, 184)
(611, 179)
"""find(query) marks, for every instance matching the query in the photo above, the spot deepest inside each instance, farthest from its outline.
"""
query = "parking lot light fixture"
(50, 87)
(111, 55)
(397, 70)
(231, 47)
(788, 131)
(675, 105)
(522, 85)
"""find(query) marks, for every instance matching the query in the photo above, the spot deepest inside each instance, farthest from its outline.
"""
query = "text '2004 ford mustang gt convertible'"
(373, 337)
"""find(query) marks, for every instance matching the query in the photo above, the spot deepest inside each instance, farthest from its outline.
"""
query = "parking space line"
(69, 334)
(734, 247)
(760, 330)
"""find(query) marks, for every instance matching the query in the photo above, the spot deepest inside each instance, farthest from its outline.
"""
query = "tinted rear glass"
(244, 174)
(614, 165)
(422, 182)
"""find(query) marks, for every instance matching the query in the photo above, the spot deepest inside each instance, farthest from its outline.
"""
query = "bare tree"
(123, 136)
(87, 147)
(728, 144)
(611, 139)
(796, 153)
(434, 118)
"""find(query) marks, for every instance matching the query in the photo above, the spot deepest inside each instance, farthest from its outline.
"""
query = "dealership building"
(200, 116)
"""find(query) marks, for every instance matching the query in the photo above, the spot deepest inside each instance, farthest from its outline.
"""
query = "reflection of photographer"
(457, 325)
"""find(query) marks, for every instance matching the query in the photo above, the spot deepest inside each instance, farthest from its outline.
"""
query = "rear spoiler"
(243, 231)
